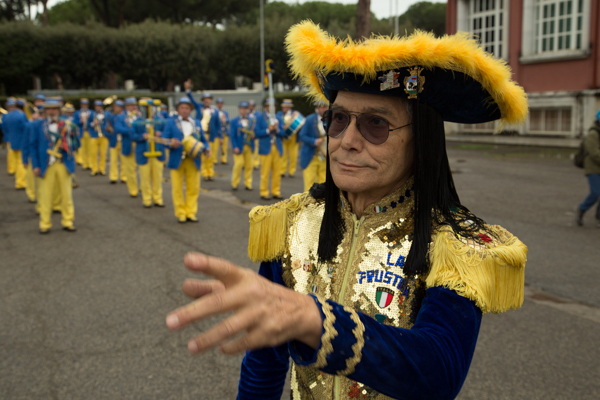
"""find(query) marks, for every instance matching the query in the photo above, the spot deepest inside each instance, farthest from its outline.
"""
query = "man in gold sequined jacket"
(374, 283)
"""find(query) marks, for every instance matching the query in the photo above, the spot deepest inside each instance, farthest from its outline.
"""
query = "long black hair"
(436, 199)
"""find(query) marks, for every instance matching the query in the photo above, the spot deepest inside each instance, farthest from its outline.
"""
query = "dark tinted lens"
(373, 128)
(339, 122)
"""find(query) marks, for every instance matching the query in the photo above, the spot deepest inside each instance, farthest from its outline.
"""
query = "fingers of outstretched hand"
(214, 303)
(195, 288)
(218, 268)
(230, 327)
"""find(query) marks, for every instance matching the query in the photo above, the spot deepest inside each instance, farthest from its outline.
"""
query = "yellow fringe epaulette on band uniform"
(269, 227)
(493, 276)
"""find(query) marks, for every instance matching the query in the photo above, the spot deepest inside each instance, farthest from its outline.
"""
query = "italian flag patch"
(384, 296)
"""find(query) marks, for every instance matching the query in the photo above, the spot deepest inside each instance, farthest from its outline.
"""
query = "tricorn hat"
(452, 74)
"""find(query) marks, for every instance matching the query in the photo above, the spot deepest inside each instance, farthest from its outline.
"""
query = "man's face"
(52, 113)
(98, 109)
(184, 110)
(285, 109)
(320, 110)
(243, 111)
(84, 106)
(251, 107)
(38, 102)
(130, 107)
(360, 167)
(220, 105)
(117, 109)
(207, 101)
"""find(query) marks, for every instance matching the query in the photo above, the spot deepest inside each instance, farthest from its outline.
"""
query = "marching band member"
(224, 117)
(68, 112)
(83, 119)
(53, 141)
(39, 100)
(269, 131)
(255, 114)
(242, 141)
(114, 142)
(290, 143)
(29, 177)
(164, 112)
(11, 165)
(211, 125)
(183, 167)
(98, 140)
(150, 165)
(14, 125)
(313, 154)
(124, 127)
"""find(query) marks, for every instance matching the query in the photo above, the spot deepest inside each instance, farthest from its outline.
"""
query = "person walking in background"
(591, 165)
(269, 131)
(254, 114)
(224, 117)
(313, 154)
(115, 143)
(98, 145)
(211, 125)
(14, 125)
(184, 165)
(290, 141)
(83, 119)
(124, 126)
(242, 141)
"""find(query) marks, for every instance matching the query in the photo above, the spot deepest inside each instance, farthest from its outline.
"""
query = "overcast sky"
(381, 8)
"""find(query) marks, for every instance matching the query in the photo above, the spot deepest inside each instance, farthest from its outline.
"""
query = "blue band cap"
(52, 103)
(11, 102)
(98, 103)
(119, 103)
(130, 100)
(243, 104)
(184, 100)
(20, 102)
(40, 97)
(206, 96)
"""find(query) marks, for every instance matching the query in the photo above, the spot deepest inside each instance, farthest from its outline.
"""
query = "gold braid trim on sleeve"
(330, 333)
(357, 347)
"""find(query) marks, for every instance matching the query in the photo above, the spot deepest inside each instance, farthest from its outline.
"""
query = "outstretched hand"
(265, 314)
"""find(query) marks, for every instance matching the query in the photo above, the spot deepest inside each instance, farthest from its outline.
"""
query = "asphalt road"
(82, 314)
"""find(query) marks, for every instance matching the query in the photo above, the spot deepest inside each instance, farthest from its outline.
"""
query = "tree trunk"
(363, 19)
(121, 6)
(45, 13)
(58, 79)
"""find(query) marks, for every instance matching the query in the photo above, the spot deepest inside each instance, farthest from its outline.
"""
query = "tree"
(75, 12)
(427, 16)
(13, 10)
(363, 19)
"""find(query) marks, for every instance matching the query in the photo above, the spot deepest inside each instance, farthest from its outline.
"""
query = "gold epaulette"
(490, 271)
(269, 227)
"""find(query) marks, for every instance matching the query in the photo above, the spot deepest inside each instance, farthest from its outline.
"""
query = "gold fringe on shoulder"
(313, 51)
(269, 227)
(493, 277)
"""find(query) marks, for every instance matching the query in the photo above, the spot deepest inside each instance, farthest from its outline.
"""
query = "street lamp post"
(262, 50)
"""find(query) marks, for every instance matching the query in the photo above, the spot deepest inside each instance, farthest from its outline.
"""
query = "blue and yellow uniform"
(98, 140)
(242, 141)
(313, 156)
(255, 114)
(14, 125)
(114, 143)
(290, 142)
(225, 128)
(150, 166)
(10, 157)
(49, 138)
(211, 125)
(184, 168)
(83, 118)
(124, 127)
(270, 150)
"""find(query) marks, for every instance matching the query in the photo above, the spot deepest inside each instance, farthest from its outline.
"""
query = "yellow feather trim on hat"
(313, 51)
(493, 277)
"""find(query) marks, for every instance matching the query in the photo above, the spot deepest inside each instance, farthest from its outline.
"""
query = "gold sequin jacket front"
(362, 287)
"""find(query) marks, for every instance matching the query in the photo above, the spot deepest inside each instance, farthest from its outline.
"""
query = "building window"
(550, 120)
(487, 23)
(559, 25)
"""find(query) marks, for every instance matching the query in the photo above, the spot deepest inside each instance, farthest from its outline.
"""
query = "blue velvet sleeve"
(428, 361)
(263, 371)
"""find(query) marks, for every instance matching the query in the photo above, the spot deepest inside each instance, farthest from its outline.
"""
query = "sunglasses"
(373, 128)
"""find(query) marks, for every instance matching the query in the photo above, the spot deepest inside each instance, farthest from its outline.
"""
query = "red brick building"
(553, 49)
